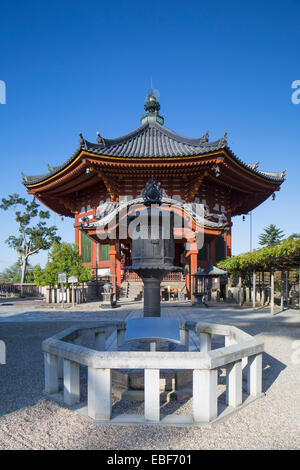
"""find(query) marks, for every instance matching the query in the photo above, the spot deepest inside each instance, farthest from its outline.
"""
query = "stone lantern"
(201, 276)
(153, 250)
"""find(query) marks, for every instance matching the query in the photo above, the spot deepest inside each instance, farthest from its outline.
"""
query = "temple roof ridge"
(154, 140)
(153, 125)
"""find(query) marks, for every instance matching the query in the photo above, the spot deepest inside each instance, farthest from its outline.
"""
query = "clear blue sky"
(74, 66)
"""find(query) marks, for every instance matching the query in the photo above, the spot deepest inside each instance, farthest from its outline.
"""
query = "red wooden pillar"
(76, 230)
(191, 262)
(115, 268)
(93, 255)
(228, 242)
(112, 265)
(77, 237)
(118, 272)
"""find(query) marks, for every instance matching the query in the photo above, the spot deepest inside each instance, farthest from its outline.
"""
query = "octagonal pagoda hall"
(100, 184)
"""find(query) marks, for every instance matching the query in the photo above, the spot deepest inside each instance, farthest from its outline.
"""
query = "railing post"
(60, 367)
(205, 402)
(229, 341)
(184, 337)
(205, 342)
(152, 394)
(51, 373)
(99, 393)
(254, 382)
(71, 382)
(234, 392)
(120, 336)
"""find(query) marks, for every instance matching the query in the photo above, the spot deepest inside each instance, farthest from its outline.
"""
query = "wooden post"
(272, 291)
(287, 275)
(240, 291)
(285, 296)
(254, 290)
(262, 297)
(282, 292)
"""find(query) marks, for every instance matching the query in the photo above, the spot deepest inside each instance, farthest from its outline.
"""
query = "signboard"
(103, 272)
(72, 279)
(62, 278)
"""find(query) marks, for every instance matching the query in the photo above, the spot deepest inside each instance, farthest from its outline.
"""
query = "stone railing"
(63, 358)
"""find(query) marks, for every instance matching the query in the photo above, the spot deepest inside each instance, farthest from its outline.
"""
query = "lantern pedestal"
(199, 300)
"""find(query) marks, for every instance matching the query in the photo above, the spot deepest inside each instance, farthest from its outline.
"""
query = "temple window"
(86, 248)
(104, 249)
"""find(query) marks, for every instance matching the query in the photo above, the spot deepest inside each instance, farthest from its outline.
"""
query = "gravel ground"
(29, 421)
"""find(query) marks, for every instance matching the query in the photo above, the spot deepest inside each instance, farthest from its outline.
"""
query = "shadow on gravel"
(22, 377)
(272, 368)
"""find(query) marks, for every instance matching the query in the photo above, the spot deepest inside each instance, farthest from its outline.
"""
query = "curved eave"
(39, 180)
(276, 177)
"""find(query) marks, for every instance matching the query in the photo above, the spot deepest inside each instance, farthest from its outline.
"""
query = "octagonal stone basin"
(241, 353)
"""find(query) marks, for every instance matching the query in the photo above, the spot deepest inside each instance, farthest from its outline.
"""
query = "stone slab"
(153, 328)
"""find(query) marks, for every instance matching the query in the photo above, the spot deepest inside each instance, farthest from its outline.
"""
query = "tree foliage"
(34, 234)
(65, 258)
(14, 272)
(280, 256)
(271, 235)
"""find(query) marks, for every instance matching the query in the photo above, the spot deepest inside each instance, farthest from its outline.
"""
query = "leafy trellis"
(282, 256)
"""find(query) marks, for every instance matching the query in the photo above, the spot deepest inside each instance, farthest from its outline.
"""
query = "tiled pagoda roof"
(153, 140)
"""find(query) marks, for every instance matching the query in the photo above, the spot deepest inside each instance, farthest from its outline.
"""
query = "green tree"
(39, 276)
(34, 235)
(63, 257)
(14, 272)
(280, 256)
(270, 236)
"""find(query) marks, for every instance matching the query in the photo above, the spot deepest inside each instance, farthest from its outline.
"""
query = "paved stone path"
(29, 421)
